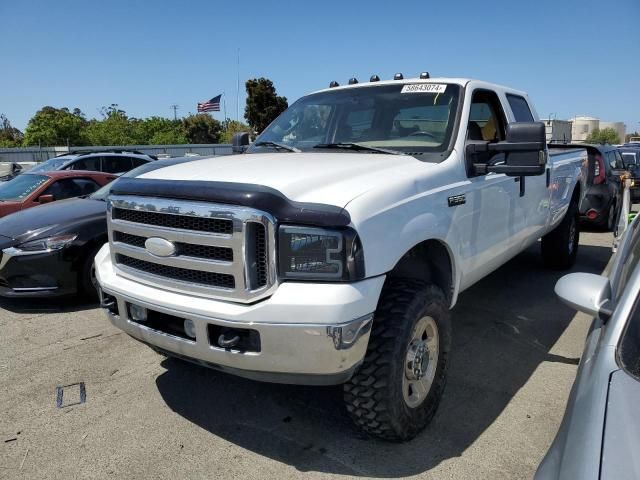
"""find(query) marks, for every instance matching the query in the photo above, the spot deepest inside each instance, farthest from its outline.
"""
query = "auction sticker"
(424, 88)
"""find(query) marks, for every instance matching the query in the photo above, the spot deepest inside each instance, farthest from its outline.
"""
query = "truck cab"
(332, 250)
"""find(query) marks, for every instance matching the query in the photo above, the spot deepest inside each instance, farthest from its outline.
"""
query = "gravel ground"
(515, 355)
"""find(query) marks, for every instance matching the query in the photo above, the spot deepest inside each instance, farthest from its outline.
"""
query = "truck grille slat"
(224, 254)
(184, 222)
(211, 279)
(221, 251)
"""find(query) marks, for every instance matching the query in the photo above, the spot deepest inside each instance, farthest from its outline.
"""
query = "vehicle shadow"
(47, 305)
(504, 327)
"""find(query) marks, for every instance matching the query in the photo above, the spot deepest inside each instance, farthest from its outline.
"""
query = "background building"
(583, 126)
(558, 131)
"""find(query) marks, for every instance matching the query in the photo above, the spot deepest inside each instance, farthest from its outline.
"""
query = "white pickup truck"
(332, 250)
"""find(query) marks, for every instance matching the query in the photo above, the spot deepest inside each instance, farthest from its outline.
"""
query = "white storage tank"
(581, 128)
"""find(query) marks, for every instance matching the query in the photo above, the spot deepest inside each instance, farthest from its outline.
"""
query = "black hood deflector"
(243, 194)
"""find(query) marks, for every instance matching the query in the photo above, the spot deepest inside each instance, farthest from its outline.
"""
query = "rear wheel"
(397, 389)
(560, 246)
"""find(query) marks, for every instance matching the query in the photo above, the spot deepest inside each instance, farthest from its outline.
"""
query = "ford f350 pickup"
(332, 250)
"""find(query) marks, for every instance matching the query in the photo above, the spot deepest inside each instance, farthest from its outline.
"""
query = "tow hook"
(228, 342)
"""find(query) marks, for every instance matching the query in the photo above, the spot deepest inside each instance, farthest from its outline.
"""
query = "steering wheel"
(421, 133)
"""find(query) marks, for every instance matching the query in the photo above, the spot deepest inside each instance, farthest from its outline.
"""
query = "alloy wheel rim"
(421, 362)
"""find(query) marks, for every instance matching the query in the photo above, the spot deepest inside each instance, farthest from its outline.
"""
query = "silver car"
(599, 437)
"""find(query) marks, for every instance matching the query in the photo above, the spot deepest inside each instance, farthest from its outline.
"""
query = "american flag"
(212, 105)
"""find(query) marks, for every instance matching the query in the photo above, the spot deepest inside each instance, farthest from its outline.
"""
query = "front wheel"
(87, 281)
(560, 246)
(396, 391)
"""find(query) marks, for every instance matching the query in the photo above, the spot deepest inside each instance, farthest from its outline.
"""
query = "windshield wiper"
(268, 143)
(357, 147)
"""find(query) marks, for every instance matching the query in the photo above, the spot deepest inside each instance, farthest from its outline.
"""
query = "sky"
(573, 57)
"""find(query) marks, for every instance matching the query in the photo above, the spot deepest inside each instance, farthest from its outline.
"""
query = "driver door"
(494, 215)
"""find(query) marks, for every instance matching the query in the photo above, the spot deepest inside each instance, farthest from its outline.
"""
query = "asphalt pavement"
(514, 358)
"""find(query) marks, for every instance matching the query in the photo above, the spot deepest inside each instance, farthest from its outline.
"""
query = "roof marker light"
(424, 75)
(334, 84)
(398, 76)
(374, 78)
(353, 81)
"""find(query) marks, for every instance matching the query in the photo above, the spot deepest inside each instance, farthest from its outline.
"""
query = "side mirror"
(240, 142)
(46, 199)
(586, 292)
(524, 152)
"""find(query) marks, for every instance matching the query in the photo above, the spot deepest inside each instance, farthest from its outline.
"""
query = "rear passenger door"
(533, 198)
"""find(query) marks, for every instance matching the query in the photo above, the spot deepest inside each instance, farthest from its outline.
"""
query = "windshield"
(50, 165)
(414, 119)
(21, 186)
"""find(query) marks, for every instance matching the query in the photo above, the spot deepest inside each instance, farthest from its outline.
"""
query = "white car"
(332, 251)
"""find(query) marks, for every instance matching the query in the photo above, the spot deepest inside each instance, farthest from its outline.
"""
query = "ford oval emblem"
(160, 247)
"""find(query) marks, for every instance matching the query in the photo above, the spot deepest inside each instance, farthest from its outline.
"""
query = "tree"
(9, 135)
(230, 128)
(263, 105)
(604, 136)
(202, 128)
(158, 130)
(115, 128)
(56, 126)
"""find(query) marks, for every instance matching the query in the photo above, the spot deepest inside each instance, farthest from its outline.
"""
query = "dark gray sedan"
(599, 437)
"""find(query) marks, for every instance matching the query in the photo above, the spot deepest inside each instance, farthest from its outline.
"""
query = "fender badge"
(457, 200)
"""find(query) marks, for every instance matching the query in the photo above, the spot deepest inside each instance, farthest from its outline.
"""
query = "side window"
(611, 159)
(85, 185)
(71, 187)
(486, 119)
(629, 346)
(630, 255)
(520, 108)
(619, 162)
(113, 164)
(136, 162)
(91, 164)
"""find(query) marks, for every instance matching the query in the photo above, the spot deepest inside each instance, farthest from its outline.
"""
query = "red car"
(33, 189)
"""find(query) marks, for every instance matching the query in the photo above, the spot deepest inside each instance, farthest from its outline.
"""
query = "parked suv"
(631, 158)
(112, 161)
(603, 199)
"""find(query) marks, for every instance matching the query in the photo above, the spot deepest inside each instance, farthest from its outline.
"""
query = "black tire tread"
(369, 395)
(555, 254)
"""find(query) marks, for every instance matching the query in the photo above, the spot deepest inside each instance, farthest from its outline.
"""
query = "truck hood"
(325, 178)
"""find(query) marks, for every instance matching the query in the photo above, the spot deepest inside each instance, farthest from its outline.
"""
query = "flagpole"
(238, 90)
(224, 105)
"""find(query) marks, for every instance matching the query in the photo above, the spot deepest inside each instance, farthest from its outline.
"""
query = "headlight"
(308, 253)
(46, 244)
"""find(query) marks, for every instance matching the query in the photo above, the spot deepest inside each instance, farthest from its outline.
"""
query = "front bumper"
(42, 275)
(314, 334)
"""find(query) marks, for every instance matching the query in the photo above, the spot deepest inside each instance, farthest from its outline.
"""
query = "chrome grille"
(221, 251)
